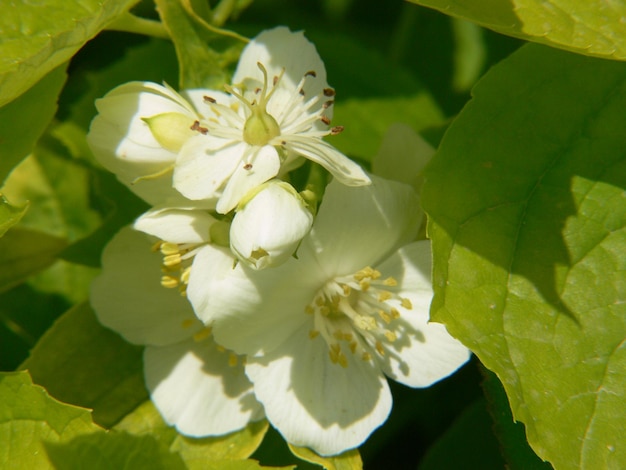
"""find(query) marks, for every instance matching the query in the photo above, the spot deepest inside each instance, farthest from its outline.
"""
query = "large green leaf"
(37, 36)
(526, 200)
(25, 119)
(592, 27)
(29, 418)
(81, 362)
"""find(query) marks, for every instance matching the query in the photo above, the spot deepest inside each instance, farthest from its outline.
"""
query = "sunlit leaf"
(349, 460)
(30, 418)
(24, 119)
(592, 27)
(81, 362)
(9, 215)
(39, 36)
(104, 451)
(145, 419)
(526, 198)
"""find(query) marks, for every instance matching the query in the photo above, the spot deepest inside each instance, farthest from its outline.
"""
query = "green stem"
(133, 24)
(222, 11)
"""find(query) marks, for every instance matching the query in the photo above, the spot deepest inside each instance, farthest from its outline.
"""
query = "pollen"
(379, 348)
(406, 303)
(384, 295)
(169, 282)
(172, 260)
(390, 282)
(391, 336)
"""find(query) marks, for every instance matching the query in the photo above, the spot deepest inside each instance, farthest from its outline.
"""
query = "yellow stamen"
(385, 316)
(391, 336)
(313, 334)
(203, 334)
(172, 260)
(379, 348)
(384, 295)
(188, 323)
(168, 248)
(390, 282)
(169, 281)
(406, 303)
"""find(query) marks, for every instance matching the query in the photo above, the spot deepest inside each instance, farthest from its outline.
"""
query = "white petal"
(279, 49)
(315, 403)
(423, 352)
(250, 311)
(128, 297)
(273, 222)
(402, 156)
(200, 172)
(176, 225)
(318, 151)
(264, 165)
(195, 389)
(358, 227)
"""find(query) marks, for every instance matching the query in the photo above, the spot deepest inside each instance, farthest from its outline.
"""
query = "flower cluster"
(250, 300)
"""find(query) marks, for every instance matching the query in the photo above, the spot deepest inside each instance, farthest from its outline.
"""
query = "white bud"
(269, 224)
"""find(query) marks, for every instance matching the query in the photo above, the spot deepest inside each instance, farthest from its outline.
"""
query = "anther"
(197, 127)
(325, 120)
(168, 248)
(406, 303)
(384, 295)
(394, 313)
(187, 323)
(329, 92)
(379, 348)
(313, 334)
(169, 282)
(202, 334)
(390, 282)
(391, 336)
(209, 99)
(247, 166)
(385, 316)
(328, 104)
(172, 260)
(366, 356)
(336, 130)
(311, 73)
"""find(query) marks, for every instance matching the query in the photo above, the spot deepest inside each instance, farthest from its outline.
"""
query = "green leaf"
(526, 202)
(201, 66)
(24, 119)
(145, 419)
(81, 362)
(349, 460)
(515, 449)
(471, 437)
(30, 418)
(592, 27)
(25, 252)
(9, 215)
(105, 451)
(37, 37)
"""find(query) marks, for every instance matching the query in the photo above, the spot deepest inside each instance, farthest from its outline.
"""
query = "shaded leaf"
(81, 362)
(515, 449)
(25, 252)
(526, 203)
(592, 27)
(349, 460)
(471, 436)
(29, 418)
(25, 119)
(37, 37)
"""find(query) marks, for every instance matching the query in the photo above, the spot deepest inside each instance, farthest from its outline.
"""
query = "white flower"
(277, 110)
(269, 224)
(322, 331)
(197, 386)
(138, 132)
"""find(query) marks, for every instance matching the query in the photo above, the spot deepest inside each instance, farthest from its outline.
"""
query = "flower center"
(260, 127)
(176, 265)
(355, 315)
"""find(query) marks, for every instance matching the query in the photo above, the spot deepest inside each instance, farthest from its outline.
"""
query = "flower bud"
(269, 224)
